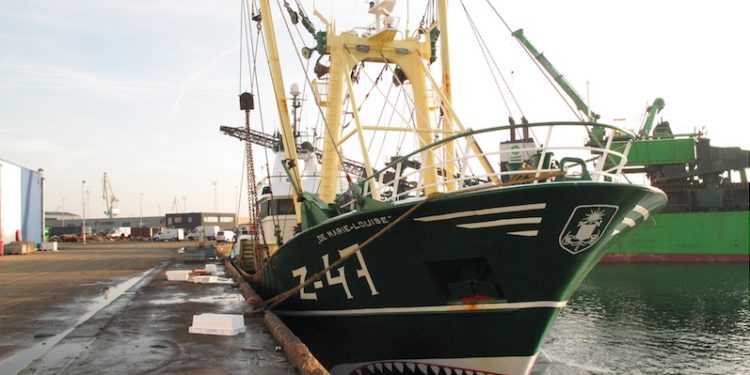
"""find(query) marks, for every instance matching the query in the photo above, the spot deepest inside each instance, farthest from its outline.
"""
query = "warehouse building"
(190, 220)
(60, 223)
(21, 202)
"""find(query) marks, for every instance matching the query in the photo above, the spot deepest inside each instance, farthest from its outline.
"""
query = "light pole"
(83, 211)
(63, 212)
(41, 200)
(1, 208)
(140, 224)
(88, 202)
(215, 183)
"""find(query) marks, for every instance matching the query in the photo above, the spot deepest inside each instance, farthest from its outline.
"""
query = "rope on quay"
(296, 352)
(246, 290)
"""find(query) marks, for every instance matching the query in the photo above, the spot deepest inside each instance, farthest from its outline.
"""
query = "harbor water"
(654, 319)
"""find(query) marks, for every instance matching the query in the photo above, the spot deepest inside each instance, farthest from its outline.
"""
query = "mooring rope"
(279, 298)
(283, 296)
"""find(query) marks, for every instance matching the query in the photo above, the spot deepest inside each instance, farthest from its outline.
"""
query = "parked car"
(225, 236)
(119, 233)
(170, 235)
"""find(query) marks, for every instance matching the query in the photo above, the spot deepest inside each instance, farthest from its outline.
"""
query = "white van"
(225, 236)
(170, 235)
(208, 232)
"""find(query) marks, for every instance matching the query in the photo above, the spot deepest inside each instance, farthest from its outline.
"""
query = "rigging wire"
(307, 80)
(486, 51)
(483, 47)
(538, 65)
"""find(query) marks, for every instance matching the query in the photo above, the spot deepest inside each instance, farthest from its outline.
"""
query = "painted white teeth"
(410, 366)
(435, 369)
(400, 367)
(423, 368)
(379, 366)
(389, 366)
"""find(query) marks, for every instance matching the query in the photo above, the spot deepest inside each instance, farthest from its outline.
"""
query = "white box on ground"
(49, 246)
(178, 275)
(217, 324)
(212, 269)
(205, 279)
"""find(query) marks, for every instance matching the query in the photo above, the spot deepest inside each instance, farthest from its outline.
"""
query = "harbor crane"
(110, 201)
(352, 167)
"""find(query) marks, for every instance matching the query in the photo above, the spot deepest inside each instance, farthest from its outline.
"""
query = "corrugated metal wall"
(20, 202)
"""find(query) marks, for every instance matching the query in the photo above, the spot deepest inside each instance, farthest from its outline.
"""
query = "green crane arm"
(652, 111)
(547, 65)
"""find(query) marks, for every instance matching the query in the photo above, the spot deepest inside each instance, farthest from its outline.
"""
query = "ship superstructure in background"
(707, 218)
(429, 260)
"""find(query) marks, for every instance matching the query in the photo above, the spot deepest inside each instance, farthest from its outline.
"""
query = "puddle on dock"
(23, 358)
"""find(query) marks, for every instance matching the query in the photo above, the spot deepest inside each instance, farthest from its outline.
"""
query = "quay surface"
(108, 308)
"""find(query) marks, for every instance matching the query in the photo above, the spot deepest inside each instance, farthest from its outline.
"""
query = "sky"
(138, 89)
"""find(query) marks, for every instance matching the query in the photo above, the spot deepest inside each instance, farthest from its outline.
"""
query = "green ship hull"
(469, 282)
(686, 237)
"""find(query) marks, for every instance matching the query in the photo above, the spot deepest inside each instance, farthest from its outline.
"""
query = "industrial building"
(72, 223)
(67, 223)
(21, 203)
(190, 220)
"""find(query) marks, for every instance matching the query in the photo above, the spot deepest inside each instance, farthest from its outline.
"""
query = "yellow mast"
(287, 135)
(450, 168)
(329, 171)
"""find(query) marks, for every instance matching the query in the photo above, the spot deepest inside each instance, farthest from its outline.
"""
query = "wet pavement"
(110, 309)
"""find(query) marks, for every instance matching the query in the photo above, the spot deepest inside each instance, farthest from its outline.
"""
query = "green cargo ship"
(707, 217)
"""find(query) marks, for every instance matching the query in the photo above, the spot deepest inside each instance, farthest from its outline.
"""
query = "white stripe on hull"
(643, 211)
(488, 211)
(516, 365)
(629, 222)
(427, 309)
(525, 233)
(501, 222)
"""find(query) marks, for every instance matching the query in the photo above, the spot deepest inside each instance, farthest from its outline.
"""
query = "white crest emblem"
(585, 226)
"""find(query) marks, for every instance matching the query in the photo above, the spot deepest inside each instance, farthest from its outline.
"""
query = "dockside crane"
(651, 111)
(110, 201)
(352, 167)
(556, 75)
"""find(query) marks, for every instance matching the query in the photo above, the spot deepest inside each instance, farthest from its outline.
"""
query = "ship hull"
(686, 237)
(467, 282)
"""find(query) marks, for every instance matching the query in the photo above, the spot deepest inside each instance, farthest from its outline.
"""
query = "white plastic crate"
(178, 275)
(48, 246)
(205, 279)
(212, 269)
(217, 324)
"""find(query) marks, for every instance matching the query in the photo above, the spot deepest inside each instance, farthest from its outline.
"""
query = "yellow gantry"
(347, 50)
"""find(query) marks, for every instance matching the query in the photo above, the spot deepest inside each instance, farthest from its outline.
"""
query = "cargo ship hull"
(684, 237)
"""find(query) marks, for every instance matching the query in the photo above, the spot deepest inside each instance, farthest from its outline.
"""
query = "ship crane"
(110, 201)
(351, 167)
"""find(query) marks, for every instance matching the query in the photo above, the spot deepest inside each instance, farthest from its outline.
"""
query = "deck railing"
(560, 157)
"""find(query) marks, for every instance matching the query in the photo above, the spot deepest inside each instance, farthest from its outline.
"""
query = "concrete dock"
(108, 308)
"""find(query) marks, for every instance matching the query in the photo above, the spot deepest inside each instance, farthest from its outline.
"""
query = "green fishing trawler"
(706, 218)
(439, 262)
